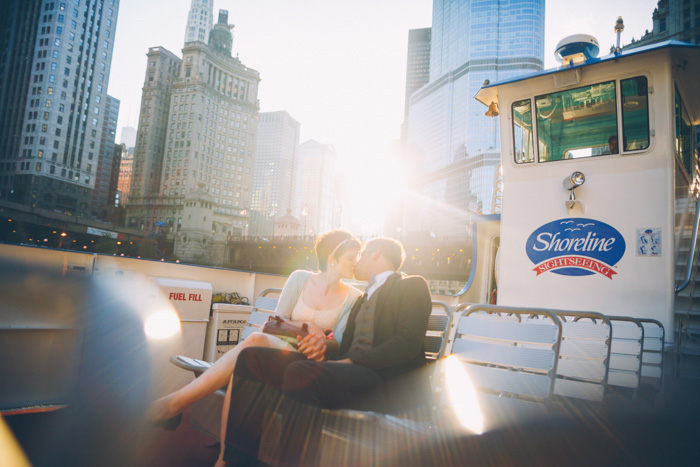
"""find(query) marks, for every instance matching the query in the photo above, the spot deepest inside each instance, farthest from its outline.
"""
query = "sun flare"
(374, 187)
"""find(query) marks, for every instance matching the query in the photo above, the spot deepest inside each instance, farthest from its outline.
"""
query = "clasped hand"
(313, 346)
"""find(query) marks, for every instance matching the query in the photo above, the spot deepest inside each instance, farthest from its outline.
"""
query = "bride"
(319, 299)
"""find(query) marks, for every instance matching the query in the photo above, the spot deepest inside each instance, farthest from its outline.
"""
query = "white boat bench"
(584, 355)
(518, 360)
(625, 354)
(652, 354)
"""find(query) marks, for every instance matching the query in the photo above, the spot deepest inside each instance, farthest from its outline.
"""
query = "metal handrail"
(691, 256)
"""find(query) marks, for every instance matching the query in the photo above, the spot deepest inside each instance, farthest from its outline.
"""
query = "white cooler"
(225, 328)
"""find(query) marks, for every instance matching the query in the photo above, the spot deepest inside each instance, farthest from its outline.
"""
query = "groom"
(383, 340)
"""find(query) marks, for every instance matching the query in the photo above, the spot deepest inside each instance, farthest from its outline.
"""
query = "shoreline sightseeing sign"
(575, 247)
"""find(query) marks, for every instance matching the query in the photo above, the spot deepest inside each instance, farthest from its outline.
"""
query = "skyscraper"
(196, 139)
(126, 165)
(162, 69)
(275, 164)
(107, 176)
(417, 68)
(453, 149)
(55, 60)
(199, 21)
(128, 136)
(315, 183)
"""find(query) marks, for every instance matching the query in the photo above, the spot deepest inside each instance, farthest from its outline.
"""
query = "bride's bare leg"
(207, 383)
(224, 422)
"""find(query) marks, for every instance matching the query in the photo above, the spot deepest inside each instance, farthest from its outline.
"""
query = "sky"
(337, 66)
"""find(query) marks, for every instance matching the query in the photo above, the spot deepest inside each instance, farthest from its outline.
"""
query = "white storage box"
(225, 328)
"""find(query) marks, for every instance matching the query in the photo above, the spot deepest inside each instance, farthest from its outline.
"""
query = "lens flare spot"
(162, 324)
(463, 396)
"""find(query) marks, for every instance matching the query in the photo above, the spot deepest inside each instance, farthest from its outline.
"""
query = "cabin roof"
(488, 93)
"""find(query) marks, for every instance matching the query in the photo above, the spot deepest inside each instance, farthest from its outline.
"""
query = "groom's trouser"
(272, 379)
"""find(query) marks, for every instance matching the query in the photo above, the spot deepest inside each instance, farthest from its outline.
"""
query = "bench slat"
(624, 379)
(527, 384)
(584, 349)
(653, 331)
(651, 371)
(625, 347)
(585, 330)
(507, 330)
(579, 389)
(482, 352)
(652, 358)
(590, 370)
(625, 331)
(624, 362)
(652, 345)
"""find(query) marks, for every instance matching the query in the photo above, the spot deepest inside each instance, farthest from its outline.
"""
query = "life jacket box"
(225, 328)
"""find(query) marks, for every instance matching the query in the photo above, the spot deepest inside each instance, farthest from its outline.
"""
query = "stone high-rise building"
(193, 165)
(162, 69)
(55, 59)
(673, 19)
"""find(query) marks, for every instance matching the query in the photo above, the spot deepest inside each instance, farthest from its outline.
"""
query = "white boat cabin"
(599, 164)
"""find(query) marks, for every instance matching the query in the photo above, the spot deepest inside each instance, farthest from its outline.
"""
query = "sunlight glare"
(374, 186)
(161, 324)
(463, 396)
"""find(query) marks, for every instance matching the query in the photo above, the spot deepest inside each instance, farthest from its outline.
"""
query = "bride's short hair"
(335, 242)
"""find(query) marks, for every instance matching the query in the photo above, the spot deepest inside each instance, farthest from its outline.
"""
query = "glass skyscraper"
(453, 149)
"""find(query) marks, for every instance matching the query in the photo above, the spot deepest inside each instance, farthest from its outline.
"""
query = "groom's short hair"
(390, 248)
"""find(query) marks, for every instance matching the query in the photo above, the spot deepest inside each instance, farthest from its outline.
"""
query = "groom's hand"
(313, 347)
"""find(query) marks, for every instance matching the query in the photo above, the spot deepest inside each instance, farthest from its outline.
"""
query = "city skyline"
(347, 89)
(275, 93)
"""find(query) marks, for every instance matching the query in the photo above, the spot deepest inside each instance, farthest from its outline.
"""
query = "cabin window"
(684, 134)
(522, 131)
(577, 123)
(635, 113)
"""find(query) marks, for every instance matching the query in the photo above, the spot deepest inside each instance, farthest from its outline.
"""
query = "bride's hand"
(313, 346)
